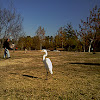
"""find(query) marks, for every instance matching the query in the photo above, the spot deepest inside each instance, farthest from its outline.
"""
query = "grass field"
(76, 76)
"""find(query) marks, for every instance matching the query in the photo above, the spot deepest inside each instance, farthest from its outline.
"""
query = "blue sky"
(51, 14)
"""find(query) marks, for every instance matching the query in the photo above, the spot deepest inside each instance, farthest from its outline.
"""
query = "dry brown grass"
(76, 76)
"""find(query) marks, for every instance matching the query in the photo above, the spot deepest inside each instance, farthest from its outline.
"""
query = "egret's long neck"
(44, 55)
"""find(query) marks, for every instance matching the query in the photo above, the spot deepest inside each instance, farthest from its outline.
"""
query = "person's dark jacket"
(6, 45)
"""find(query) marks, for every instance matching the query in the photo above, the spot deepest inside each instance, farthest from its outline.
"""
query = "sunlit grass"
(76, 76)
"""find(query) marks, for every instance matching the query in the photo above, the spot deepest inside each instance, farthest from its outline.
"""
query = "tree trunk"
(62, 44)
(90, 45)
(40, 46)
(84, 48)
(89, 48)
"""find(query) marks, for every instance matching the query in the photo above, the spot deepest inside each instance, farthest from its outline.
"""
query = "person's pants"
(6, 51)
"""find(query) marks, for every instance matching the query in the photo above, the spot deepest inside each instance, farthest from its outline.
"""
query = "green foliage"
(21, 43)
(66, 39)
(29, 43)
(57, 41)
(36, 43)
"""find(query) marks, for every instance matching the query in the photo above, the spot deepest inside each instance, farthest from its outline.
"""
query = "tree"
(36, 43)
(47, 42)
(28, 43)
(41, 34)
(94, 23)
(21, 43)
(90, 30)
(57, 41)
(51, 42)
(71, 37)
(10, 24)
(62, 36)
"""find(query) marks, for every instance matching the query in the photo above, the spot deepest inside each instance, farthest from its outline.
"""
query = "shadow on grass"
(26, 75)
(97, 64)
(29, 76)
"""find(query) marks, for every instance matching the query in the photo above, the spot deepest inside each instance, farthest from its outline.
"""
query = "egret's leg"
(46, 75)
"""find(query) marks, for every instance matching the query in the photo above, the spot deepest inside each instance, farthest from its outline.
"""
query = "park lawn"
(76, 76)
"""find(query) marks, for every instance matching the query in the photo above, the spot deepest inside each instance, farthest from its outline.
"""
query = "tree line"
(86, 39)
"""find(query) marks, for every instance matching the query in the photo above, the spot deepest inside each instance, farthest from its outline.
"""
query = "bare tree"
(41, 34)
(10, 24)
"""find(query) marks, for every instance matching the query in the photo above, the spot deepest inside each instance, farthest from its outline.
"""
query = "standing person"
(6, 48)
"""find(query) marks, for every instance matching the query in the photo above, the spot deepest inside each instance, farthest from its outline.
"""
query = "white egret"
(47, 62)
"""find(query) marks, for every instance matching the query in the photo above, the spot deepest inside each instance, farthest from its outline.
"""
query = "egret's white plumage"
(48, 65)
(47, 62)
